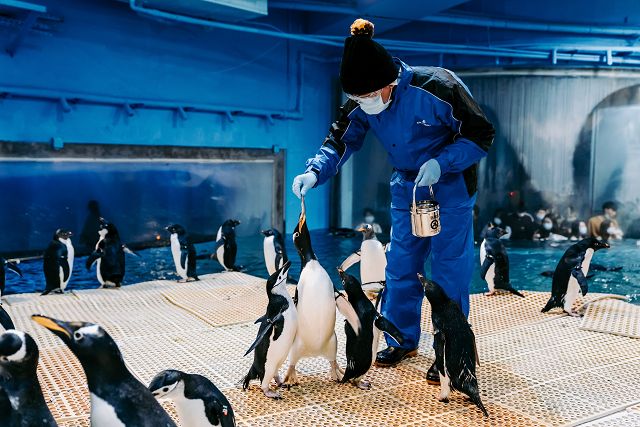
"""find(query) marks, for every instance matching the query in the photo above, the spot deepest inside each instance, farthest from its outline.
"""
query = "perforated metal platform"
(536, 369)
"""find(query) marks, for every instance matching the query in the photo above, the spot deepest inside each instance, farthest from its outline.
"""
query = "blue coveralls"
(432, 115)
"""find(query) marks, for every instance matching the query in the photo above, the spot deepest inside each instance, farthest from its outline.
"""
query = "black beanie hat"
(366, 65)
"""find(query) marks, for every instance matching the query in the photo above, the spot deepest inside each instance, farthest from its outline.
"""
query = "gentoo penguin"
(275, 255)
(5, 319)
(362, 347)
(4, 265)
(277, 331)
(316, 305)
(373, 262)
(494, 262)
(18, 364)
(226, 247)
(454, 345)
(198, 401)
(184, 253)
(109, 256)
(118, 399)
(58, 262)
(569, 278)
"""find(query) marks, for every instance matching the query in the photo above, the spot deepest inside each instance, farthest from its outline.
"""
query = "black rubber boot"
(391, 356)
(433, 377)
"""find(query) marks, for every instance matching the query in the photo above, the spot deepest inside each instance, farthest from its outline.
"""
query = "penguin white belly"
(483, 252)
(191, 412)
(269, 255)
(573, 288)
(103, 414)
(70, 257)
(375, 344)
(220, 256)
(98, 272)
(279, 349)
(316, 308)
(491, 272)
(372, 262)
(61, 274)
(586, 262)
(175, 252)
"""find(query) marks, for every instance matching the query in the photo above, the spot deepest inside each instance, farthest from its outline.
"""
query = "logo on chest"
(423, 123)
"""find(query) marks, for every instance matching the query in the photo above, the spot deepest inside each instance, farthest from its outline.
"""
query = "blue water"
(528, 260)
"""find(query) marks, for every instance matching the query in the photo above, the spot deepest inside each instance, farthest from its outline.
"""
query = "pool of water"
(528, 260)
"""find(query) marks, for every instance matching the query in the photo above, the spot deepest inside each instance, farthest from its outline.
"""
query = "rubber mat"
(612, 317)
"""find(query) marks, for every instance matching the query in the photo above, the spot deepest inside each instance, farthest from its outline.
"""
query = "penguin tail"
(253, 374)
(46, 292)
(515, 292)
(476, 400)
(552, 303)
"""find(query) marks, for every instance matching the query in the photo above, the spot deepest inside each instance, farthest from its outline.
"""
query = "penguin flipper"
(488, 262)
(98, 253)
(345, 308)
(352, 259)
(5, 319)
(265, 330)
(582, 281)
(438, 347)
(183, 259)
(129, 251)
(385, 325)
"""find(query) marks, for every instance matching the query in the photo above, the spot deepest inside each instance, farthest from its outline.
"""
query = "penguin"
(117, 398)
(226, 247)
(277, 331)
(5, 319)
(19, 381)
(198, 401)
(316, 304)
(362, 347)
(569, 278)
(373, 262)
(454, 345)
(58, 262)
(109, 256)
(275, 255)
(184, 253)
(494, 262)
(11, 266)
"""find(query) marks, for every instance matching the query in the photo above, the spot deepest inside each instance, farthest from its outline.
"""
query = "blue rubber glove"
(429, 173)
(302, 183)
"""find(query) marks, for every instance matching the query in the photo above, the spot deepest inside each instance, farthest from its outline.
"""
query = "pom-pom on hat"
(366, 65)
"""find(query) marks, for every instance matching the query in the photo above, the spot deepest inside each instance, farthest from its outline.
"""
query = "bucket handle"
(414, 207)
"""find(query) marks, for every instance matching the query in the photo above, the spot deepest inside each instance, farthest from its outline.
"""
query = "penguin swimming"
(118, 399)
(58, 262)
(316, 305)
(373, 262)
(184, 253)
(569, 278)
(494, 262)
(19, 381)
(109, 256)
(362, 346)
(5, 319)
(226, 246)
(198, 401)
(454, 345)
(275, 255)
(11, 266)
(277, 331)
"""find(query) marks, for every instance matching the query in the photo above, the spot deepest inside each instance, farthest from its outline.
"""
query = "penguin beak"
(64, 330)
(285, 269)
(424, 281)
(361, 229)
(264, 232)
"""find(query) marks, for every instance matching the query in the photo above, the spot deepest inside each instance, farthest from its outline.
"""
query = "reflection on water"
(527, 262)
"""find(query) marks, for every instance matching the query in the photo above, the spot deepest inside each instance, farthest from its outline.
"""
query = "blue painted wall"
(103, 48)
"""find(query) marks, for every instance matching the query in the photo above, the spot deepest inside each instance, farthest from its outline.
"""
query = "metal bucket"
(425, 216)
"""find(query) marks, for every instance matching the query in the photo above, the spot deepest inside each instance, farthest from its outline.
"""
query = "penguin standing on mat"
(184, 253)
(569, 278)
(57, 262)
(198, 401)
(226, 247)
(454, 345)
(316, 302)
(362, 346)
(277, 331)
(494, 262)
(109, 256)
(373, 262)
(118, 399)
(19, 383)
(4, 266)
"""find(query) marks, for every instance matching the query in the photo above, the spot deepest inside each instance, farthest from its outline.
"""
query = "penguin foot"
(291, 379)
(192, 279)
(362, 384)
(488, 294)
(181, 281)
(272, 394)
(443, 399)
(335, 372)
(573, 313)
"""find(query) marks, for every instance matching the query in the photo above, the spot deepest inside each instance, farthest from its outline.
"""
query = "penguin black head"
(495, 232)
(268, 232)
(349, 282)
(593, 243)
(434, 292)
(367, 232)
(165, 382)
(302, 240)
(61, 233)
(176, 229)
(18, 353)
(278, 277)
(91, 344)
(107, 228)
(232, 223)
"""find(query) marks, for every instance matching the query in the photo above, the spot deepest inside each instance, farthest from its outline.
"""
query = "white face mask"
(547, 226)
(583, 229)
(374, 105)
(369, 219)
(612, 230)
(497, 221)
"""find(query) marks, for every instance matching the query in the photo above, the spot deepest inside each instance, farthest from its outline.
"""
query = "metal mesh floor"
(536, 369)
